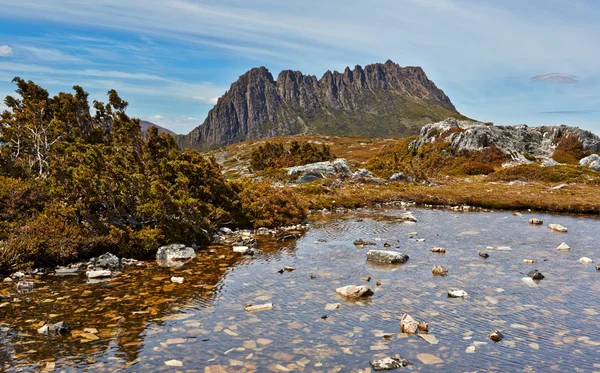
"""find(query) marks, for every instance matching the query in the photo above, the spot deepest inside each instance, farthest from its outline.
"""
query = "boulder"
(457, 294)
(595, 165)
(107, 261)
(174, 255)
(384, 256)
(563, 247)
(558, 228)
(439, 270)
(353, 291)
(338, 167)
(535, 275)
(496, 336)
(408, 324)
(389, 363)
(362, 173)
(549, 163)
(591, 161)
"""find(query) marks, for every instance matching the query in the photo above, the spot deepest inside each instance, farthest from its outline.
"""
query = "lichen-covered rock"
(384, 256)
(338, 167)
(398, 176)
(353, 291)
(408, 324)
(591, 161)
(174, 255)
(107, 261)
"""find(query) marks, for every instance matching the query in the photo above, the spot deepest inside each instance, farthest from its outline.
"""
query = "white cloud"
(51, 55)
(562, 78)
(206, 100)
(5, 51)
(157, 117)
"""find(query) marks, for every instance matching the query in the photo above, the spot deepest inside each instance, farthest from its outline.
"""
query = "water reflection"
(144, 320)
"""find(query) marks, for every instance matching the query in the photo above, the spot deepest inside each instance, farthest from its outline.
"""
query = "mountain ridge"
(379, 100)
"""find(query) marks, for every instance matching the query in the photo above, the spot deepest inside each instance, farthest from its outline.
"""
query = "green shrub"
(276, 155)
(477, 168)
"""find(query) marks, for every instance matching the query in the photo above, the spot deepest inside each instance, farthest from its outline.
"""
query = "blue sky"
(534, 62)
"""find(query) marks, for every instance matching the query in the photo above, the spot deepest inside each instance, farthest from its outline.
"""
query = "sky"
(535, 62)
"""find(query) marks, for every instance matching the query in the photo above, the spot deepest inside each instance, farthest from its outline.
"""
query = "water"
(144, 320)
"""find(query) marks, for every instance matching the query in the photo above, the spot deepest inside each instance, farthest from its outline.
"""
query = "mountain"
(145, 125)
(379, 100)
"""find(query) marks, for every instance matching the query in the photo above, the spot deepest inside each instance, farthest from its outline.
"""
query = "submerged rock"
(177, 280)
(332, 306)
(260, 307)
(534, 221)
(563, 247)
(407, 216)
(353, 291)
(389, 363)
(586, 260)
(440, 250)
(483, 254)
(361, 242)
(457, 294)
(528, 261)
(535, 275)
(174, 255)
(558, 228)
(389, 257)
(496, 336)
(439, 270)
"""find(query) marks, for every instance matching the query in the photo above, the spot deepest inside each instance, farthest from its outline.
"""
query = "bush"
(275, 155)
(555, 174)
(477, 168)
(529, 157)
(569, 150)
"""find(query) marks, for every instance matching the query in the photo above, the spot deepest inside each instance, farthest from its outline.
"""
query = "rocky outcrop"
(377, 100)
(514, 141)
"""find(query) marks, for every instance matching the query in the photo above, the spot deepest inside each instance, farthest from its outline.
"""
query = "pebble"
(178, 280)
(174, 363)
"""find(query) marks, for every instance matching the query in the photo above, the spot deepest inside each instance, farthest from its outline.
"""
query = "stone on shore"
(353, 291)
(389, 363)
(558, 228)
(389, 257)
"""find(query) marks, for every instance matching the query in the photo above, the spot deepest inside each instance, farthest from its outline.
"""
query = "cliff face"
(379, 100)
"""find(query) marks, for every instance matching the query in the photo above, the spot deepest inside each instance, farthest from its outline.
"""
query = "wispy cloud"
(206, 100)
(562, 78)
(568, 112)
(5, 51)
(51, 55)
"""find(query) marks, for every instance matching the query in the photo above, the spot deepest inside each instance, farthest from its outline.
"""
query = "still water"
(142, 319)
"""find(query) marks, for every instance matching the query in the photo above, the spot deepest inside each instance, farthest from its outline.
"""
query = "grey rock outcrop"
(399, 99)
(592, 161)
(174, 255)
(389, 257)
(338, 167)
(514, 141)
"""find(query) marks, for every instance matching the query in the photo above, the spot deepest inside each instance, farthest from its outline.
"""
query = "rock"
(585, 260)
(535, 275)
(529, 282)
(67, 271)
(408, 324)
(174, 255)
(332, 306)
(367, 279)
(362, 173)
(107, 261)
(174, 363)
(18, 275)
(423, 326)
(398, 176)
(389, 363)
(99, 273)
(177, 280)
(457, 294)
(560, 186)
(260, 307)
(55, 329)
(338, 167)
(549, 163)
(407, 216)
(429, 359)
(420, 240)
(361, 242)
(563, 247)
(528, 261)
(534, 221)
(309, 177)
(353, 291)
(244, 250)
(597, 267)
(470, 349)
(440, 250)
(496, 336)
(439, 270)
(558, 228)
(383, 256)
(591, 161)
(25, 285)
(430, 338)
(225, 230)
(483, 254)
(412, 234)
(7, 279)
(387, 244)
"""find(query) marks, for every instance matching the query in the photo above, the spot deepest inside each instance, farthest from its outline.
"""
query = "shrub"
(529, 157)
(569, 149)
(276, 155)
(477, 168)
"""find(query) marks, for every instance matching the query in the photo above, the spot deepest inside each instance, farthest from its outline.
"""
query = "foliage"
(569, 150)
(554, 174)
(275, 155)
(74, 185)
(529, 157)
(477, 168)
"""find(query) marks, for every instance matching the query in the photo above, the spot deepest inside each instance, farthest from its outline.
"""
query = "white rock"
(99, 273)
(260, 307)
(332, 306)
(457, 294)
(353, 291)
(384, 256)
(178, 280)
(558, 228)
(563, 247)
(174, 363)
(408, 324)
(529, 282)
(585, 260)
(528, 261)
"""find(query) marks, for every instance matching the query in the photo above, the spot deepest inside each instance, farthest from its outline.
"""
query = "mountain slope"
(378, 101)
(145, 125)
